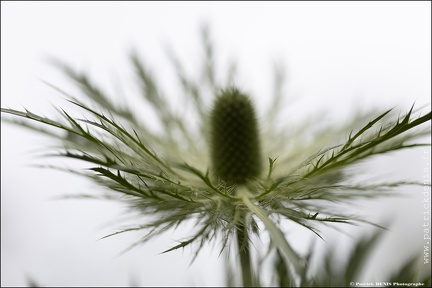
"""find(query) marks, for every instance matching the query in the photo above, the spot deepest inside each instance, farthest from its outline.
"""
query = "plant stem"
(276, 235)
(244, 253)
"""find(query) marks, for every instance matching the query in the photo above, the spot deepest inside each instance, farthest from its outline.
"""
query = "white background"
(340, 56)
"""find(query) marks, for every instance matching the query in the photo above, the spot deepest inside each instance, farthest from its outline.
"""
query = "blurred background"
(340, 57)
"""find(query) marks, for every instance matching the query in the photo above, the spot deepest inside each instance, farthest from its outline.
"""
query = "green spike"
(235, 145)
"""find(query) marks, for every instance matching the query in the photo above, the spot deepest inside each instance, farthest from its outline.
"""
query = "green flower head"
(235, 143)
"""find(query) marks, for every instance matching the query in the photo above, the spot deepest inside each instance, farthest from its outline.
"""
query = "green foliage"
(168, 174)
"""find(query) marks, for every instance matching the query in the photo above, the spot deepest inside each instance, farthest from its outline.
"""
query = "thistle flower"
(235, 148)
(227, 176)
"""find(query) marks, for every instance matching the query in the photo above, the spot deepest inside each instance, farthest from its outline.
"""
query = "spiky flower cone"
(235, 145)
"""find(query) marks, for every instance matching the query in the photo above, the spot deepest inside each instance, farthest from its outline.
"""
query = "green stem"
(276, 235)
(244, 253)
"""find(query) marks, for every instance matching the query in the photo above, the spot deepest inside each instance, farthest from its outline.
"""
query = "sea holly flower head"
(230, 174)
(235, 147)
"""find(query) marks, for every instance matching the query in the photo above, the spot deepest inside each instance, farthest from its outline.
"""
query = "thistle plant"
(236, 178)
